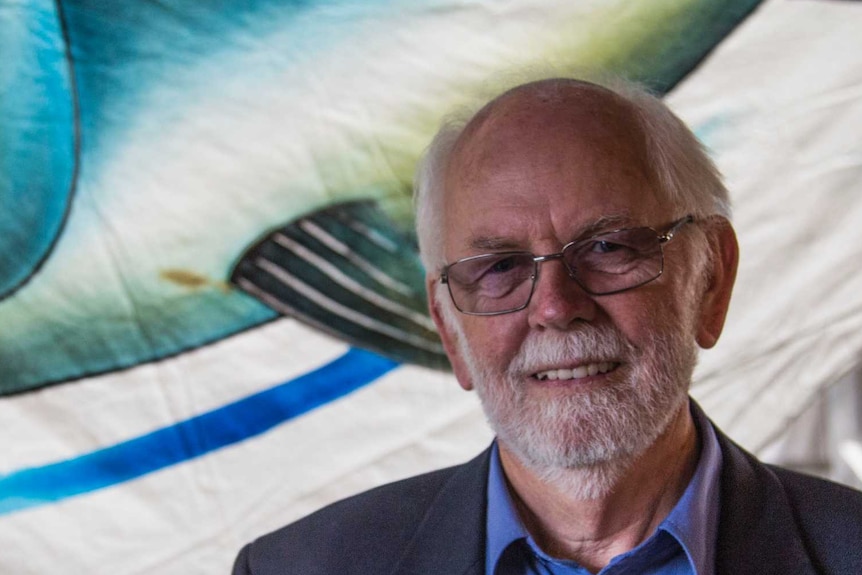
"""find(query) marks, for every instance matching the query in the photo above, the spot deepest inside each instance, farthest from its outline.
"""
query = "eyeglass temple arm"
(668, 235)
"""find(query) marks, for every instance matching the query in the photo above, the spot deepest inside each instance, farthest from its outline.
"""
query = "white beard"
(585, 440)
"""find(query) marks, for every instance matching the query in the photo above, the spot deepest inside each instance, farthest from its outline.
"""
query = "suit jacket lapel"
(757, 533)
(451, 537)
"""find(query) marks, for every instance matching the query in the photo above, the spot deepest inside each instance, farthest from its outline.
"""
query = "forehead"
(538, 162)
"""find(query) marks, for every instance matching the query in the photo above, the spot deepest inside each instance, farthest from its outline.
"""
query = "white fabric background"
(779, 103)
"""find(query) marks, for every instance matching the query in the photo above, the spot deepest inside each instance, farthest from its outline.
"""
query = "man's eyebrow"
(605, 224)
(495, 244)
(506, 244)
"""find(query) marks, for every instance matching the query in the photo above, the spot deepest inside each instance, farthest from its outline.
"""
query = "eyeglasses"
(603, 264)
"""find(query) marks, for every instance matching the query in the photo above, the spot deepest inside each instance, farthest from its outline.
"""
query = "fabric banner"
(212, 313)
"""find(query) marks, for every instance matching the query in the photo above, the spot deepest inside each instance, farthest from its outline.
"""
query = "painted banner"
(212, 312)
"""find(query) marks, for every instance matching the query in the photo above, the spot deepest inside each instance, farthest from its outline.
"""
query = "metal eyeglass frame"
(662, 240)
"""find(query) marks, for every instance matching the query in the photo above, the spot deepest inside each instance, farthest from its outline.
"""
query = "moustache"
(585, 344)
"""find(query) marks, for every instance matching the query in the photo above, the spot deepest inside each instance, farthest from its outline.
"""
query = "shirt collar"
(502, 523)
(693, 521)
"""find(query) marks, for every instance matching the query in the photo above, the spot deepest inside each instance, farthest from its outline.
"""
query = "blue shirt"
(683, 544)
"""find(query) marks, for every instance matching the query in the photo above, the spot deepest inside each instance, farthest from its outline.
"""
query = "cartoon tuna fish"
(144, 144)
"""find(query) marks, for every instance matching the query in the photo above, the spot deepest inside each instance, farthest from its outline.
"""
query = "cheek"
(641, 314)
(496, 339)
(634, 323)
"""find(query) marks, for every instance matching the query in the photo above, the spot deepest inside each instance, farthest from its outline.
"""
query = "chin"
(589, 434)
(582, 445)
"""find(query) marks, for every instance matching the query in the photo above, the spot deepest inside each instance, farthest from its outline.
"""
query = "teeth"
(577, 373)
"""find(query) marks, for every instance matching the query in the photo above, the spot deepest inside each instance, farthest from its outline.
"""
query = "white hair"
(680, 163)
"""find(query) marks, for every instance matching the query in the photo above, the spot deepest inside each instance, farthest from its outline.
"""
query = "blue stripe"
(191, 438)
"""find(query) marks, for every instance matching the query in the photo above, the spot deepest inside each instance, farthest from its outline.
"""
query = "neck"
(592, 531)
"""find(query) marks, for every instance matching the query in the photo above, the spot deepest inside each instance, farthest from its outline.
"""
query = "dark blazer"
(772, 521)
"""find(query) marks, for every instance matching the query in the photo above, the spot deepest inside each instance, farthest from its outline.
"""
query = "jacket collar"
(757, 533)
(451, 537)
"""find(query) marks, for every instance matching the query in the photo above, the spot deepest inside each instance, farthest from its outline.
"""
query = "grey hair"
(679, 161)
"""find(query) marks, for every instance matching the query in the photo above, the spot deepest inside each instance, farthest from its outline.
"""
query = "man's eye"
(605, 247)
(502, 266)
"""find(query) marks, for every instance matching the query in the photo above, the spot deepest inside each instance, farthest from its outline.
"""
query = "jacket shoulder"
(365, 533)
(829, 516)
(777, 521)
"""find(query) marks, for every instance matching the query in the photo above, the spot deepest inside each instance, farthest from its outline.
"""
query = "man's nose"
(557, 299)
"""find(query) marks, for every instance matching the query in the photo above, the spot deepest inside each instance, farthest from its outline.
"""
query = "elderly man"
(578, 251)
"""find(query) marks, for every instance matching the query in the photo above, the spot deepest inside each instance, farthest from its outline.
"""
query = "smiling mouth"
(580, 372)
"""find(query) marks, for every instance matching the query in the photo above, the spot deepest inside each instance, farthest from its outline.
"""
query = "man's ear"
(721, 274)
(448, 335)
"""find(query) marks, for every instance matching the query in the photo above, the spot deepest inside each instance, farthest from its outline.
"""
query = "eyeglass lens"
(603, 264)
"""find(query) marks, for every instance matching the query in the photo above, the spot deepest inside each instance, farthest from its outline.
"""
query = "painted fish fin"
(348, 271)
(675, 42)
(39, 139)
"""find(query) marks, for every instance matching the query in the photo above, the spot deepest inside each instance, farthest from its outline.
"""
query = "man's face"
(573, 379)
